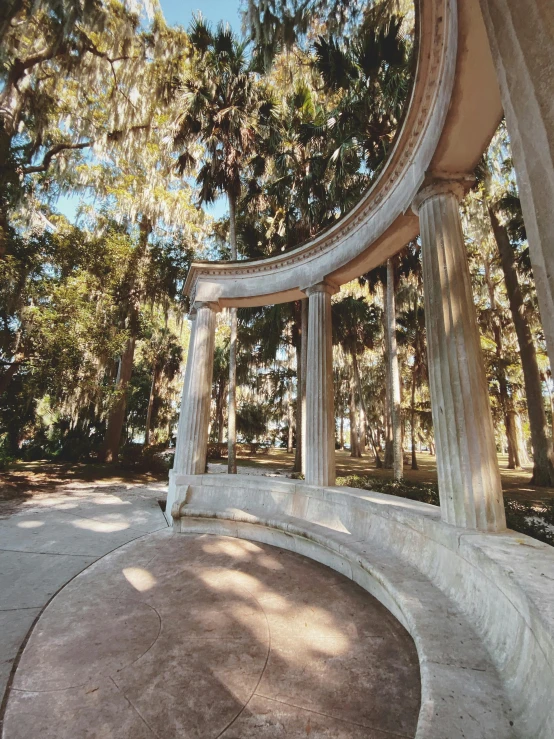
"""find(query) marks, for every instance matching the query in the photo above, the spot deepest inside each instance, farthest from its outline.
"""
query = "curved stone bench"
(479, 607)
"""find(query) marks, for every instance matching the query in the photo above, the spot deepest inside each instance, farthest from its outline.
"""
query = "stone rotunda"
(410, 620)
(461, 584)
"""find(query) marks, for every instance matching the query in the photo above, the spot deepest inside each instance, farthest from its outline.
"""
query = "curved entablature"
(453, 112)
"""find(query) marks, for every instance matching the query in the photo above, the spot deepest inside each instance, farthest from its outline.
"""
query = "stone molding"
(211, 304)
(325, 286)
(386, 199)
(458, 186)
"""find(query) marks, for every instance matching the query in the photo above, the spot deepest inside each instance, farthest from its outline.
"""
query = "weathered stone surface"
(320, 409)
(14, 625)
(53, 539)
(521, 35)
(478, 606)
(192, 442)
(469, 479)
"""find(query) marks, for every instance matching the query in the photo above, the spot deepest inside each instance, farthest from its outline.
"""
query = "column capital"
(457, 185)
(212, 305)
(325, 286)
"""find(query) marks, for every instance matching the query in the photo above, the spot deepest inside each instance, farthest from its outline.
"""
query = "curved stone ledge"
(461, 594)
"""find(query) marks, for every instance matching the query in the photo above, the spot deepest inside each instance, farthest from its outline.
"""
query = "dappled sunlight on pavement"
(52, 537)
(204, 637)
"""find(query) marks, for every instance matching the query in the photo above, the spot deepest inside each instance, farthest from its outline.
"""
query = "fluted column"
(192, 437)
(469, 478)
(521, 35)
(320, 411)
(303, 378)
(184, 394)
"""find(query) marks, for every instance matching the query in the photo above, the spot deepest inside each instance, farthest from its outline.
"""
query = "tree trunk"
(116, 417)
(232, 406)
(514, 456)
(219, 411)
(290, 420)
(524, 457)
(361, 430)
(341, 437)
(551, 402)
(354, 450)
(389, 455)
(413, 422)
(398, 457)
(543, 461)
(153, 388)
(506, 402)
(366, 427)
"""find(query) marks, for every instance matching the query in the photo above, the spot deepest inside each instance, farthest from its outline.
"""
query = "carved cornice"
(433, 81)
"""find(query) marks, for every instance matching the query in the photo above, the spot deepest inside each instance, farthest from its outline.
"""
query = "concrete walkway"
(187, 636)
(51, 538)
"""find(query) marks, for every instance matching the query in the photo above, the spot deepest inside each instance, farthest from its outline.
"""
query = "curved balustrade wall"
(501, 585)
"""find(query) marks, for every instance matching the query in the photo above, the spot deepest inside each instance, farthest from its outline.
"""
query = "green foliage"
(153, 459)
(535, 520)
(5, 457)
(251, 421)
(424, 492)
(278, 24)
(532, 519)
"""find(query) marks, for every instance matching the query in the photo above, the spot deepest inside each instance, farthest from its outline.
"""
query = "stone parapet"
(479, 606)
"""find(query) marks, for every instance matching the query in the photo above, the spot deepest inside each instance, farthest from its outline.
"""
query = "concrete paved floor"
(188, 636)
(53, 537)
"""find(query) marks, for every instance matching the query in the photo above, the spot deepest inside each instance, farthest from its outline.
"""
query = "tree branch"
(53, 152)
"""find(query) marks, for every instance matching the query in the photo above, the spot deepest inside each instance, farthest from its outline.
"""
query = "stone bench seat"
(462, 695)
(478, 606)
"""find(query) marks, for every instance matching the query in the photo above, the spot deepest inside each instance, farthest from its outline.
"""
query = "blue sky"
(180, 12)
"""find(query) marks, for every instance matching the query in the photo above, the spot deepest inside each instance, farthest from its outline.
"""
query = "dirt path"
(26, 481)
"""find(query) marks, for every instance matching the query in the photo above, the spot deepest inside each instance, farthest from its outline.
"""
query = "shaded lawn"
(515, 483)
(24, 480)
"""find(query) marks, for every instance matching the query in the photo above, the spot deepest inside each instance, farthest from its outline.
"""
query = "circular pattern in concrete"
(201, 637)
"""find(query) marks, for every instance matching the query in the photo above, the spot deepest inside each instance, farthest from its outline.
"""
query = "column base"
(178, 490)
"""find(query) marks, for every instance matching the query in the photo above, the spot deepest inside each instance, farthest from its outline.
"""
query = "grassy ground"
(515, 483)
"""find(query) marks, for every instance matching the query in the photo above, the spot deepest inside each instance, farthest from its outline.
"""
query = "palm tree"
(411, 333)
(508, 230)
(370, 77)
(223, 109)
(543, 457)
(395, 392)
(220, 380)
(356, 326)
